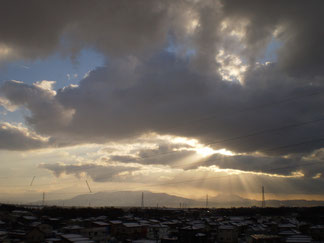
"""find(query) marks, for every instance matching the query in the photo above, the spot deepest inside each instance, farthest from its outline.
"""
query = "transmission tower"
(207, 201)
(43, 202)
(142, 204)
(263, 199)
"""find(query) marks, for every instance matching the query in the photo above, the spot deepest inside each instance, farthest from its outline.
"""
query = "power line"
(252, 134)
(268, 131)
(198, 179)
(31, 183)
(88, 186)
(223, 176)
(234, 112)
(216, 177)
(295, 144)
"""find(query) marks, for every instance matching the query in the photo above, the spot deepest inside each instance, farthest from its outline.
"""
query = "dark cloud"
(298, 27)
(165, 96)
(19, 138)
(113, 27)
(98, 173)
(180, 90)
(45, 110)
(164, 154)
(268, 164)
(140, 28)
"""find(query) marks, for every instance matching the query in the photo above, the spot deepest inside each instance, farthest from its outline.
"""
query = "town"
(144, 225)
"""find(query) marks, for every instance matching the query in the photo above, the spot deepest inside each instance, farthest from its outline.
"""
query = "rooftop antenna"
(263, 200)
(31, 183)
(207, 201)
(88, 186)
(142, 204)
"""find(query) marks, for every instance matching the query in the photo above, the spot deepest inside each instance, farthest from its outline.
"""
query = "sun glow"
(207, 151)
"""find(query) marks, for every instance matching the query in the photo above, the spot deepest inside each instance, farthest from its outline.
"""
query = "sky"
(185, 97)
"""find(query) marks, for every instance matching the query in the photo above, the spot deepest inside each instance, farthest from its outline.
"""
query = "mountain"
(294, 203)
(125, 199)
(133, 199)
(231, 200)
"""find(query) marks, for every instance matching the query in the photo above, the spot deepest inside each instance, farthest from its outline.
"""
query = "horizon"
(188, 98)
(219, 200)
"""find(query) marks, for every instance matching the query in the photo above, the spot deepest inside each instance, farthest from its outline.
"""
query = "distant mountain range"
(134, 198)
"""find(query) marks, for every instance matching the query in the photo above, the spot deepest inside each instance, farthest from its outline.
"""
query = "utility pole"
(206, 200)
(263, 199)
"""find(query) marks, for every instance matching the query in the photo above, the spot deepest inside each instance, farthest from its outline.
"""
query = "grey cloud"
(98, 173)
(310, 165)
(267, 164)
(19, 138)
(144, 88)
(141, 28)
(123, 158)
(45, 110)
(298, 25)
(166, 92)
(164, 154)
(165, 96)
(113, 27)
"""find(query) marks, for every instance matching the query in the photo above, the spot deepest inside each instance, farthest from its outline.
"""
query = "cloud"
(7, 105)
(98, 173)
(164, 154)
(180, 155)
(267, 164)
(46, 85)
(196, 179)
(167, 71)
(294, 23)
(164, 95)
(141, 28)
(136, 27)
(13, 137)
(39, 99)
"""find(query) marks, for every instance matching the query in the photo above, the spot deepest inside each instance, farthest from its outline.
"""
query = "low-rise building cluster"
(175, 225)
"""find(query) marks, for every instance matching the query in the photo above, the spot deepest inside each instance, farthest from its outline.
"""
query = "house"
(262, 238)
(72, 229)
(156, 231)
(299, 239)
(317, 232)
(35, 236)
(46, 228)
(97, 231)
(133, 230)
(115, 227)
(74, 238)
(227, 234)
